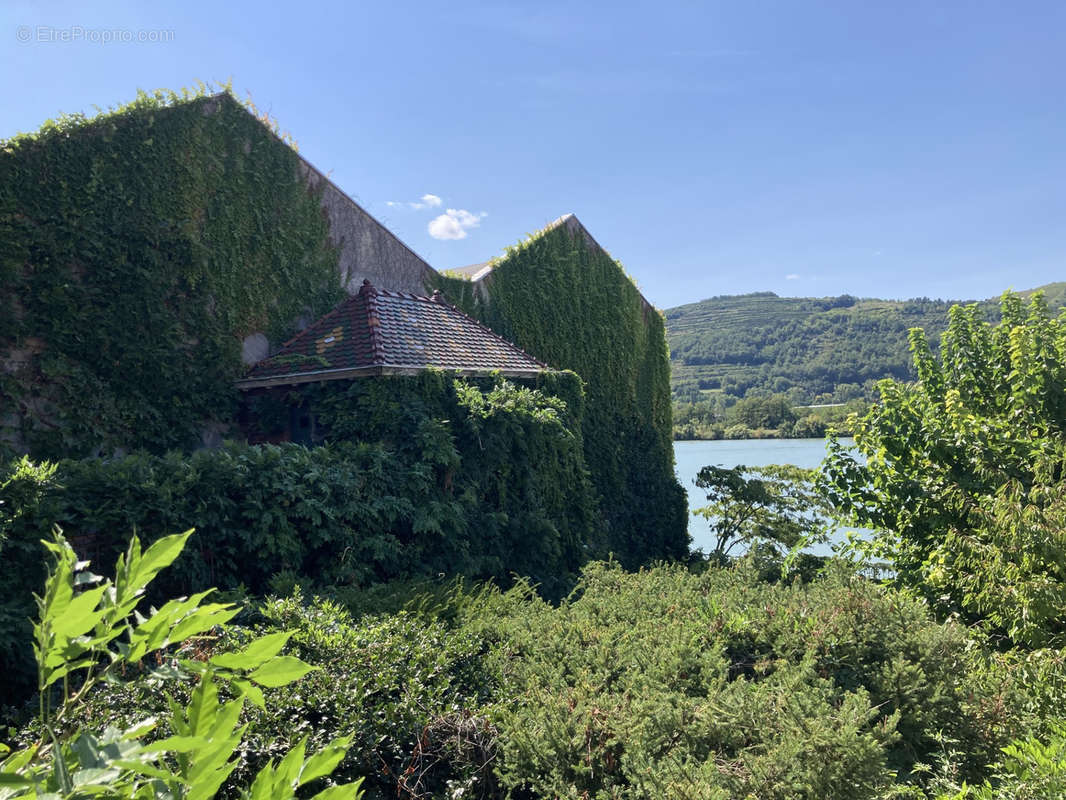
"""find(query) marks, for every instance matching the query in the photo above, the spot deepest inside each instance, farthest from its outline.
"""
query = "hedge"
(485, 481)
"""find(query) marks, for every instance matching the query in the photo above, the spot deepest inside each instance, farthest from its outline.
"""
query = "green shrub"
(401, 691)
(667, 683)
(663, 683)
(482, 481)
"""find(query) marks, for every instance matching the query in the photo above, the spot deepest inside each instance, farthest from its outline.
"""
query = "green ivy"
(567, 302)
(141, 245)
(420, 476)
(137, 248)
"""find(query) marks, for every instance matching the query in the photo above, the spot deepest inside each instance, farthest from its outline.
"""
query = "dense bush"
(401, 692)
(664, 683)
(669, 684)
(461, 480)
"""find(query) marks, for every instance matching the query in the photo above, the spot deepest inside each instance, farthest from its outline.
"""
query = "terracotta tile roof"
(378, 332)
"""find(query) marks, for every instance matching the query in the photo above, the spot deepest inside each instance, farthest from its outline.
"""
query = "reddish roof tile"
(377, 331)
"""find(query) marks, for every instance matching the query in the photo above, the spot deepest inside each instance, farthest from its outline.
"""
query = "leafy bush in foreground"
(85, 636)
(400, 691)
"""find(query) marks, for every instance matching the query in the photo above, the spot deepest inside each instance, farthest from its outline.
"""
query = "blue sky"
(889, 149)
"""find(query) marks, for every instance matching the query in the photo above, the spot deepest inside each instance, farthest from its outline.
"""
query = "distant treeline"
(760, 417)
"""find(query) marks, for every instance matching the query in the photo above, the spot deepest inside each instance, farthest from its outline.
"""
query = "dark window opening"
(301, 424)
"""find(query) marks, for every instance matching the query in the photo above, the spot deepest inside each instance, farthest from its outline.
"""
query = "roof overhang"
(381, 369)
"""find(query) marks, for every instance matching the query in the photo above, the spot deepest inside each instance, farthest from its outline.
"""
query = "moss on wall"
(567, 302)
(137, 249)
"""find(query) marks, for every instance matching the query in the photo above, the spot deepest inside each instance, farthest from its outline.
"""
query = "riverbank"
(810, 427)
(772, 417)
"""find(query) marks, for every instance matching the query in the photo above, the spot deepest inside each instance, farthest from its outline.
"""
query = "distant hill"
(814, 349)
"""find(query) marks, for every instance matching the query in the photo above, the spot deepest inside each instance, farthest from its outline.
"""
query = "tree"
(764, 412)
(964, 471)
(774, 505)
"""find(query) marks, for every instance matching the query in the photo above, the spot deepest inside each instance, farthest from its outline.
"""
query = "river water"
(690, 456)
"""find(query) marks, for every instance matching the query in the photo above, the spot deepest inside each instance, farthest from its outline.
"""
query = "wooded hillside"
(812, 349)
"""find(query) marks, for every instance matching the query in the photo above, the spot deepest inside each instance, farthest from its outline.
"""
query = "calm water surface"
(690, 456)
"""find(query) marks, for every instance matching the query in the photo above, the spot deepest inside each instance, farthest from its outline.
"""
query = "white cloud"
(425, 201)
(454, 223)
(792, 276)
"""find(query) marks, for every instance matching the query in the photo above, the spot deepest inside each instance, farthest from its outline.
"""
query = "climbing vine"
(137, 249)
(140, 246)
(418, 476)
(567, 302)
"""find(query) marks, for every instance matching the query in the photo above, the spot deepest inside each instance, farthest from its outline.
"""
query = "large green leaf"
(161, 554)
(325, 760)
(348, 791)
(280, 671)
(255, 654)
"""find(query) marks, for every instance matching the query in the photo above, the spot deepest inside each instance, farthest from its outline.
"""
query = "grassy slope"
(734, 343)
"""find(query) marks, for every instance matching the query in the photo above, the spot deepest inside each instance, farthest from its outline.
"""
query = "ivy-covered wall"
(137, 249)
(563, 299)
(140, 247)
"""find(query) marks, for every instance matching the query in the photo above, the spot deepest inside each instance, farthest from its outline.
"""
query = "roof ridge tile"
(373, 320)
(379, 329)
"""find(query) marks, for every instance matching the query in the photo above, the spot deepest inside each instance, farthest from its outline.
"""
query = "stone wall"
(367, 248)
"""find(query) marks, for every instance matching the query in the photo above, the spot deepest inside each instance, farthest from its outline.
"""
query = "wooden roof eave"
(373, 371)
